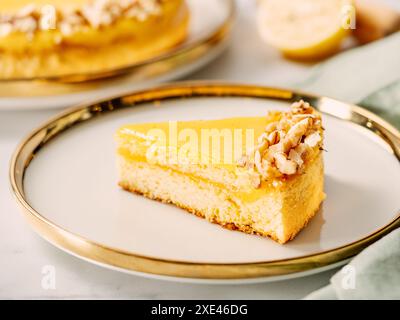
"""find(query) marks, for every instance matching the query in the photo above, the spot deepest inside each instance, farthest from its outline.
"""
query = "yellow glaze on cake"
(154, 159)
(136, 140)
(87, 48)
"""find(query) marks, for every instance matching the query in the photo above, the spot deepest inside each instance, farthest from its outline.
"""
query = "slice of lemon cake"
(261, 175)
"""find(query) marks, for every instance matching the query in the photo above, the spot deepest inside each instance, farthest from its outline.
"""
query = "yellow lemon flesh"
(305, 29)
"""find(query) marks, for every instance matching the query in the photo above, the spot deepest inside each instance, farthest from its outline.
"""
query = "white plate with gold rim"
(64, 177)
(210, 25)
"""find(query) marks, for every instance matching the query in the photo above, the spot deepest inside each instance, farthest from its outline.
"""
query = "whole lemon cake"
(261, 175)
(40, 38)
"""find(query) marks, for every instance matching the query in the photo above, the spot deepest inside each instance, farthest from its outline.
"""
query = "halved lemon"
(305, 29)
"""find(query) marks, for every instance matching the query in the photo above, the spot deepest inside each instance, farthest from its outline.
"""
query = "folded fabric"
(386, 103)
(373, 274)
(368, 76)
(356, 74)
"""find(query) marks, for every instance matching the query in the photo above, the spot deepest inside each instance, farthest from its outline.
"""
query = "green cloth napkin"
(368, 76)
(373, 274)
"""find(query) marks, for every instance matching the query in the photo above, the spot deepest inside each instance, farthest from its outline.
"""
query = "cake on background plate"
(57, 37)
(261, 175)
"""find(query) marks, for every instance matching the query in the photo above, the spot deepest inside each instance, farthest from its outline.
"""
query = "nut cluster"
(95, 14)
(286, 143)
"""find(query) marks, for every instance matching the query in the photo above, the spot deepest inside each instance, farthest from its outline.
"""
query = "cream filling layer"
(244, 194)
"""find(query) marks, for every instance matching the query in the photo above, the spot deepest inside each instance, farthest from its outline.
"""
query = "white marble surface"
(23, 254)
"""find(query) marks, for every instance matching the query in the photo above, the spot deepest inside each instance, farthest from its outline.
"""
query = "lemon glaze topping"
(281, 144)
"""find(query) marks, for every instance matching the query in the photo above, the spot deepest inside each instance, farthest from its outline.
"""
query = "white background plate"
(207, 19)
(73, 183)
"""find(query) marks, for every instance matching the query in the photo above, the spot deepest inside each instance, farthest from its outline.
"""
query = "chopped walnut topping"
(274, 137)
(313, 139)
(302, 107)
(26, 11)
(95, 14)
(295, 157)
(286, 143)
(285, 165)
(294, 135)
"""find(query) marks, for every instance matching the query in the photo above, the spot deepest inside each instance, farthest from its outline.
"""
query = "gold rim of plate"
(182, 54)
(130, 261)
